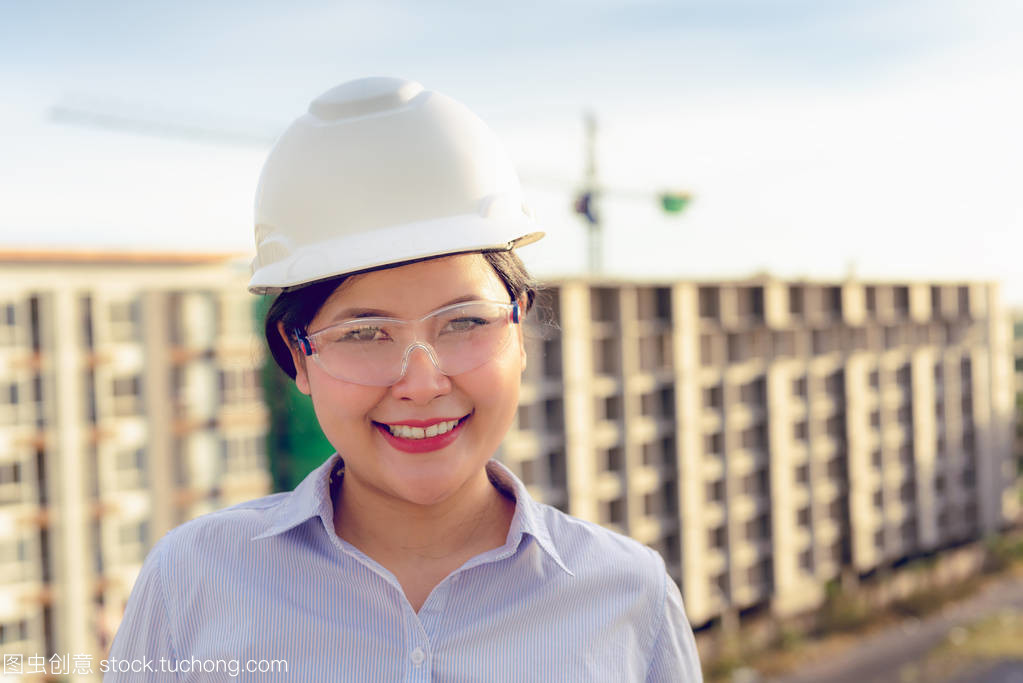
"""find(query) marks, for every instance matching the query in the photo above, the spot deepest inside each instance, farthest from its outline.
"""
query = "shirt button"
(418, 656)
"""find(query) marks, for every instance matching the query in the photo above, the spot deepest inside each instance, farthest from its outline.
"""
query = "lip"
(422, 423)
(426, 444)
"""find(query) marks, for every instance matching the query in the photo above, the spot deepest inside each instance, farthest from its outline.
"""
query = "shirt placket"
(418, 650)
(423, 630)
(419, 656)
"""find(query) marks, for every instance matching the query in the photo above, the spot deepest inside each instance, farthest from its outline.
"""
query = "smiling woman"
(386, 219)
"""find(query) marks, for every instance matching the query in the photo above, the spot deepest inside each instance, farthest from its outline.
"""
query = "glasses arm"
(298, 334)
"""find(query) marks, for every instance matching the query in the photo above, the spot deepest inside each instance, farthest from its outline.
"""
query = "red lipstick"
(426, 444)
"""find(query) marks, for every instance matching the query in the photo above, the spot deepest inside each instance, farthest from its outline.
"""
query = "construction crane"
(588, 197)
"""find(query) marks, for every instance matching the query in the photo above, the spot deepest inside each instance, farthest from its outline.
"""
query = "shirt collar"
(528, 518)
(311, 498)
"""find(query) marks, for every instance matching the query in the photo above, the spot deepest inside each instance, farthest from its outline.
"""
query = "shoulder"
(219, 553)
(225, 529)
(593, 551)
(252, 534)
(583, 548)
(634, 586)
(630, 579)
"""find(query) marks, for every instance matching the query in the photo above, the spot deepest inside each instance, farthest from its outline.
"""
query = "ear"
(298, 358)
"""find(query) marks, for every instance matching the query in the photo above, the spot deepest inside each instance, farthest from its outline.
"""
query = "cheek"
(497, 383)
(340, 405)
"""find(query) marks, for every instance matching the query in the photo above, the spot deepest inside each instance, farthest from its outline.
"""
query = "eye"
(466, 324)
(365, 333)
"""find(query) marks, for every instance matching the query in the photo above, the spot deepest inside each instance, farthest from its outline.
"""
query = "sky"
(818, 139)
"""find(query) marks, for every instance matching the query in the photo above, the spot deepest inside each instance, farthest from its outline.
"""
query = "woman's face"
(355, 418)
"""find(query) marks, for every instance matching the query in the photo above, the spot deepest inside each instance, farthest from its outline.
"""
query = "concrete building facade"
(130, 402)
(766, 436)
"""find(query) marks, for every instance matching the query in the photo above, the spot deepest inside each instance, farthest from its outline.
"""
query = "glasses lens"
(367, 351)
(372, 351)
(469, 335)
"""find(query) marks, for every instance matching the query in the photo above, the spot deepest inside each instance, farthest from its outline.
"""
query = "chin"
(434, 480)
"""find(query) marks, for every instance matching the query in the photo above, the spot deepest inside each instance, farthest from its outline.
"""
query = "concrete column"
(629, 367)
(577, 366)
(1003, 415)
(159, 413)
(72, 556)
(776, 304)
(692, 531)
(924, 446)
(920, 302)
(987, 455)
(854, 304)
(783, 511)
(861, 517)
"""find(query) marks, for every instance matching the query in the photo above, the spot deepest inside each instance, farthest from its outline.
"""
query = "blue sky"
(817, 137)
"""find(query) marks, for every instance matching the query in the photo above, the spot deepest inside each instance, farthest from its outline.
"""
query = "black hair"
(296, 308)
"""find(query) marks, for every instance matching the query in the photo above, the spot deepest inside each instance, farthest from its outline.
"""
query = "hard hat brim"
(386, 247)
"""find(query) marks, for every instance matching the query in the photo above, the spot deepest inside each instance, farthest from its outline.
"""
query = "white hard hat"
(379, 172)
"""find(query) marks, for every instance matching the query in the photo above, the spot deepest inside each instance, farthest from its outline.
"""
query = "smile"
(421, 436)
(407, 432)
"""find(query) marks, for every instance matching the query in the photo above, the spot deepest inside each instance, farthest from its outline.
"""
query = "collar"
(529, 518)
(312, 498)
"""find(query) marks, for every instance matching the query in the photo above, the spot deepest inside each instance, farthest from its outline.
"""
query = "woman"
(385, 222)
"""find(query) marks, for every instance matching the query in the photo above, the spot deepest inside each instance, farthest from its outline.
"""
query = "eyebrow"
(350, 313)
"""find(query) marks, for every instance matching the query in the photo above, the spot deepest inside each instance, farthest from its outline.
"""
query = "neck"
(397, 532)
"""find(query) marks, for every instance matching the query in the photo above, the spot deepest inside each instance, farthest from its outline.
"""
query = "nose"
(423, 381)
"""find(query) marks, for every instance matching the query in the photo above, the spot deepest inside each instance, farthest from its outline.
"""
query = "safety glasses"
(376, 351)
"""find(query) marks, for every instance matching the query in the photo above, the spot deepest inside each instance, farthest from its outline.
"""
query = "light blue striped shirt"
(223, 596)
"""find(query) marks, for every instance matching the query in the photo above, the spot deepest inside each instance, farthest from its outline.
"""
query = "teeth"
(406, 432)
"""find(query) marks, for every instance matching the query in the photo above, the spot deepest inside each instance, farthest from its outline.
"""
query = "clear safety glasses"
(376, 351)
